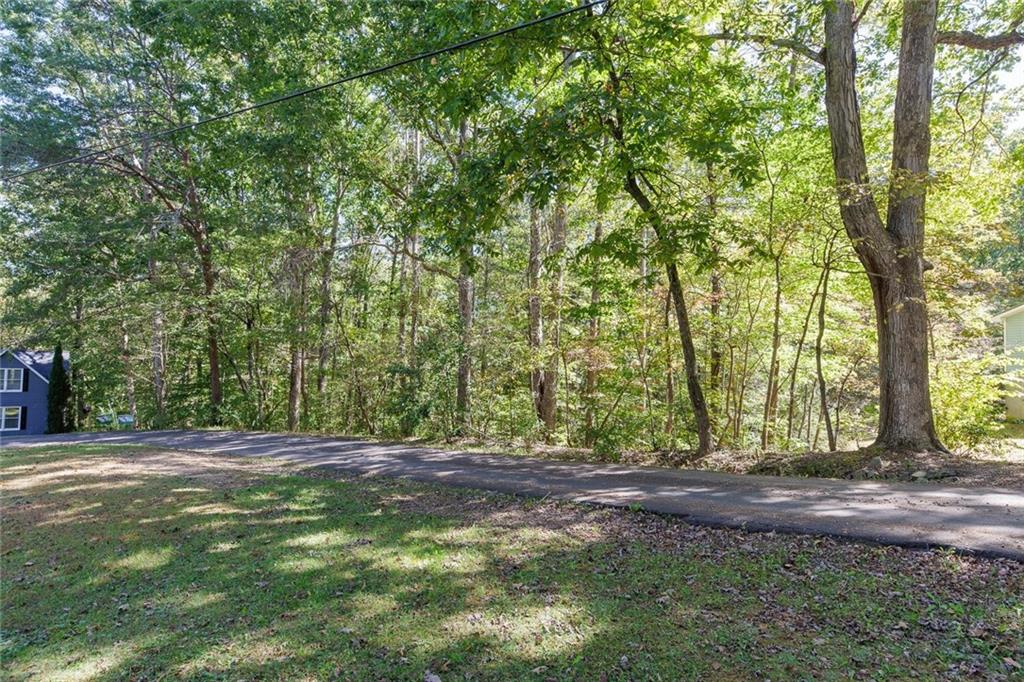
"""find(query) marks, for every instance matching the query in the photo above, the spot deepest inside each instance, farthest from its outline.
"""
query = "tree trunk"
(198, 230)
(294, 385)
(326, 268)
(129, 374)
(157, 360)
(771, 399)
(700, 408)
(697, 402)
(590, 383)
(891, 253)
(535, 320)
(670, 384)
(715, 308)
(822, 390)
(465, 372)
(296, 368)
(414, 289)
(790, 410)
(414, 299)
(213, 352)
(549, 396)
(403, 301)
(715, 373)
(157, 323)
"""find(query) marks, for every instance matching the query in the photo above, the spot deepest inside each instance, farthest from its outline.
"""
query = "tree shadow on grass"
(299, 578)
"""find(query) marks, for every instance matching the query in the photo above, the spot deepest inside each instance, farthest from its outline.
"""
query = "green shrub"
(967, 400)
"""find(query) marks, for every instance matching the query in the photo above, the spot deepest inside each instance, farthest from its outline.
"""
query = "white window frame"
(5, 379)
(3, 417)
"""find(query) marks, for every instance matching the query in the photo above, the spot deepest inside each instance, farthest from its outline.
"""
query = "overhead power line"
(311, 90)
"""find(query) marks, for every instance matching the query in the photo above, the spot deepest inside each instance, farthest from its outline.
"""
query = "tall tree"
(58, 396)
(891, 249)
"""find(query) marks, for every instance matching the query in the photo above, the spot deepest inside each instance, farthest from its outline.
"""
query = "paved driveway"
(986, 521)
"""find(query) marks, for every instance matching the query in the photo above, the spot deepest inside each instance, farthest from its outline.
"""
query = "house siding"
(1013, 340)
(32, 401)
(1013, 334)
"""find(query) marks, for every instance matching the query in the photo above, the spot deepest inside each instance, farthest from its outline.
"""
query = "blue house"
(24, 383)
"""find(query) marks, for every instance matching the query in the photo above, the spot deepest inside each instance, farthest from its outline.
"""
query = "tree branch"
(817, 56)
(977, 41)
(429, 267)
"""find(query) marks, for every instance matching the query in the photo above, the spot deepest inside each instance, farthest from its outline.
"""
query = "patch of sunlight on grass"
(222, 547)
(545, 536)
(542, 631)
(60, 667)
(320, 540)
(104, 485)
(255, 648)
(451, 535)
(366, 606)
(264, 496)
(459, 551)
(562, 627)
(213, 508)
(76, 513)
(409, 563)
(145, 559)
(289, 520)
(197, 600)
(300, 565)
(215, 526)
(158, 519)
(463, 562)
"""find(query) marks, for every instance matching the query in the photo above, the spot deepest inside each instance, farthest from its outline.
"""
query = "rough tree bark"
(891, 252)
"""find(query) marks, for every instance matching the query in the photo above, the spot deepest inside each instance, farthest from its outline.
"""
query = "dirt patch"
(873, 464)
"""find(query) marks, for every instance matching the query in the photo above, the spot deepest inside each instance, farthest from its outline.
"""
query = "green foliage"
(967, 399)
(319, 243)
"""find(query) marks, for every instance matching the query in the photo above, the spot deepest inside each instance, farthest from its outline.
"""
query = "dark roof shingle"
(39, 360)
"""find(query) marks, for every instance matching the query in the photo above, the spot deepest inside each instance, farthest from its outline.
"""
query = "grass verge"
(126, 563)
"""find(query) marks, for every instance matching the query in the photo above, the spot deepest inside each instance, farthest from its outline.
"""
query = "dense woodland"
(650, 224)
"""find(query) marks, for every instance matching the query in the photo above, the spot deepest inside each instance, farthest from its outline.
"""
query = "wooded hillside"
(649, 224)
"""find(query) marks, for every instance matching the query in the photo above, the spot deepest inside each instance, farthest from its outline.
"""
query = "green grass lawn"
(125, 563)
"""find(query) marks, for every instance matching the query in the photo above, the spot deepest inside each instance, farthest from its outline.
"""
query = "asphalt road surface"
(985, 521)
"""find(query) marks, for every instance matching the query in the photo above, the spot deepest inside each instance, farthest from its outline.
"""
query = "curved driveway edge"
(983, 521)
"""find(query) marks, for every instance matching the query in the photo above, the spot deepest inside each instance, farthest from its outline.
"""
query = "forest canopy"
(648, 224)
